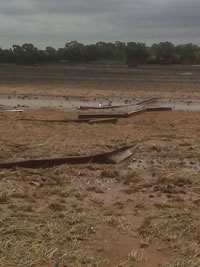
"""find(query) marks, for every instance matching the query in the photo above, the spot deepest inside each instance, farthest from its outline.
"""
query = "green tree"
(50, 53)
(137, 52)
(188, 53)
(26, 54)
(163, 50)
(74, 51)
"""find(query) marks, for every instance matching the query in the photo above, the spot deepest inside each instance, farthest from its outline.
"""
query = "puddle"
(180, 104)
(23, 101)
(186, 73)
(72, 103)
(192, 105)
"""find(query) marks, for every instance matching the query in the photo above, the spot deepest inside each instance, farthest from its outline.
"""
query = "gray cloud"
(50, 22)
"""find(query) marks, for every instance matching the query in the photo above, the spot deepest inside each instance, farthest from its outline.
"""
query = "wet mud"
(73, 103)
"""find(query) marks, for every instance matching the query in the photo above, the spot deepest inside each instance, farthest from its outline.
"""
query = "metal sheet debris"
(109, 120)
(119, 106)
(158, 109)
(121, 114)
(103, 115)
(113, 157)
(90, 121)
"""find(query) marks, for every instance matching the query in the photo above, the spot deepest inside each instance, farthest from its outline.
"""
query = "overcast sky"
(55, 22)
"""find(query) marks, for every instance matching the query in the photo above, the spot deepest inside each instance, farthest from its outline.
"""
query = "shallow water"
(61, 102)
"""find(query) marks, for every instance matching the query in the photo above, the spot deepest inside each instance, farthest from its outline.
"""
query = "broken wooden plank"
(103, 158)
(111, 114)
(136, 112)
(57, 121)
(121, 156)
(92, 115)
(147, 101)
(107, 120)
(158, 109)
(121, 114)
(90, 121)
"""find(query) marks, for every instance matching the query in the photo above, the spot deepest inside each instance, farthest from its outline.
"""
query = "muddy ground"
(141, 212)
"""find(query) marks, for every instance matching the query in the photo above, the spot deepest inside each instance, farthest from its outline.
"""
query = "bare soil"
(141, 212)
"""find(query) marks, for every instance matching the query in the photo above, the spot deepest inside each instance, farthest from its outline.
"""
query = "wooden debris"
(90, 121)
(158, 109)
(147, 101)
(57, 121)
(110, 114)
(118, 106)
(109, 120)
(106, 107)
(112, 157)
(92, 115)
(121, 114)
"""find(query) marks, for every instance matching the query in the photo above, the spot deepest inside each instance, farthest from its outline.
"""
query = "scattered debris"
(35, 183)
(118, 106)
(121, 114)
(116, 114)
(105, 107)
(14, 110)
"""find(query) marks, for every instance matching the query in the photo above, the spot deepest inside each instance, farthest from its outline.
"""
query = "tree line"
(137, 53)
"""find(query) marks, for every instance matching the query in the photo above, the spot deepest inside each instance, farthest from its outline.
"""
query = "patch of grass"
(145, 228)
(27, 208)
(182, 180)
(109, 173)
(3, 198)
(141, 206)
(173, 180)
(131, 177)
(95, 189)
(161, 206)
(56, 206)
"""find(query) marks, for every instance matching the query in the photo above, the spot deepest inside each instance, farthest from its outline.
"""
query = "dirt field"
(142, 212)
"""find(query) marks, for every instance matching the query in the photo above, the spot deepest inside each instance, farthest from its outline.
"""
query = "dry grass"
(65, 214)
